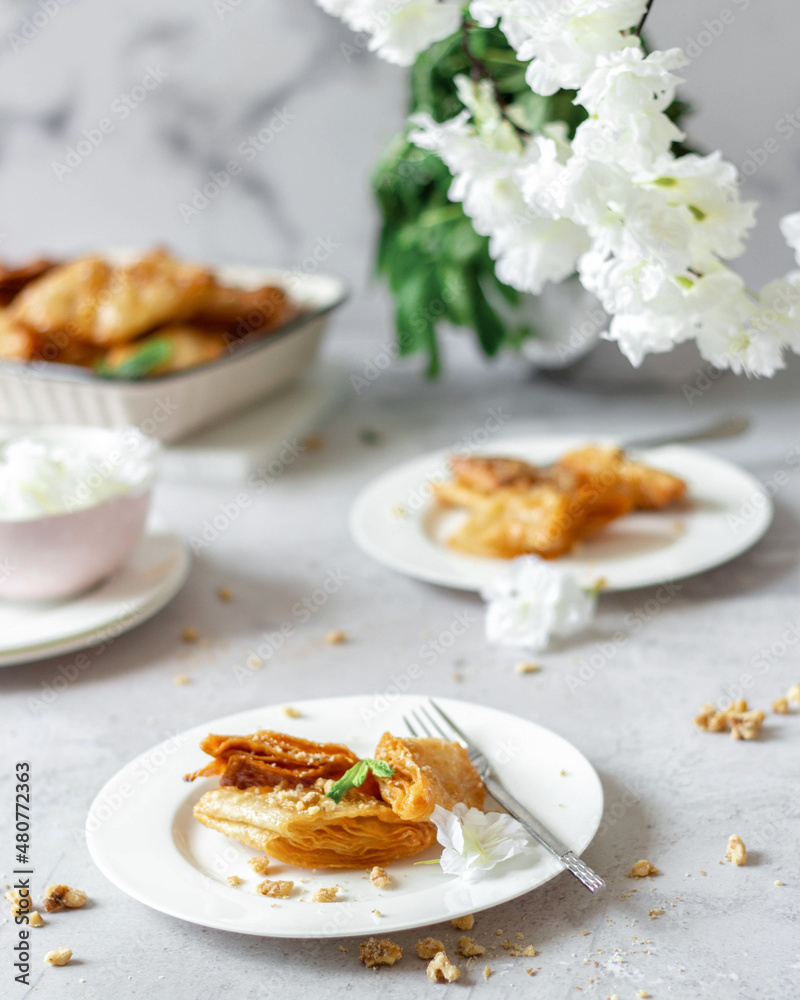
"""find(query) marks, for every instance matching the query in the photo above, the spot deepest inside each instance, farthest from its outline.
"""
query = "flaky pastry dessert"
(316, 805)
(152, 316)
(515, 508)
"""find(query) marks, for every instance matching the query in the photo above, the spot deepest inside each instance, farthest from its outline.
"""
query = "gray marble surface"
(673, 795)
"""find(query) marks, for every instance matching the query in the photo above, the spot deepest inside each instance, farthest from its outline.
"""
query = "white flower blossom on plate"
(475, 841)
(533, 601)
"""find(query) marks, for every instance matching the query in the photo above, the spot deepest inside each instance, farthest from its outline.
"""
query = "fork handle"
(548, 840)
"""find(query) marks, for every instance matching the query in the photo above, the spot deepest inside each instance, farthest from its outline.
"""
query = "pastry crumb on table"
(182, 680)
(736, 851)
(225, 594)
(487, 971)
(468, 947)
(465, 923)
(527, 668)
(336, 637)
(441, 969)
(429, 947)
(642, 869)
(793, 694)
(190, 634)
(58, 897)
(379, 951)
(58, 956)
(278, 889)
(744, 723)
(781, 706)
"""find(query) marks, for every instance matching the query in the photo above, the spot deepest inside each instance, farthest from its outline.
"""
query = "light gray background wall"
(230, 67)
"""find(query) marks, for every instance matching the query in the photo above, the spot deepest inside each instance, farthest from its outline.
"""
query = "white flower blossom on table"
(400, 29)
(474, 841)
(533, 601)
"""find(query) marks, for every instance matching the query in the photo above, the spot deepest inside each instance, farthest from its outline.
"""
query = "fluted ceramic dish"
(172, 406)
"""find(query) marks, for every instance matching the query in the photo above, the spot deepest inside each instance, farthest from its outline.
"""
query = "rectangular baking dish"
(170, 407)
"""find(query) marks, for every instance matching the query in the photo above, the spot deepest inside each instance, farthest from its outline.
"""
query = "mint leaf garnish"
(357, 775)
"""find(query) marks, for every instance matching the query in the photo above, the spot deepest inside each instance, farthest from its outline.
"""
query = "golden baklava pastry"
(652, 489)
(427, 773)
(268, 758)
(301, 826)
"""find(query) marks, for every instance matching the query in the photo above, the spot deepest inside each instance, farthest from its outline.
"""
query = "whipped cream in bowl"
(73, 506)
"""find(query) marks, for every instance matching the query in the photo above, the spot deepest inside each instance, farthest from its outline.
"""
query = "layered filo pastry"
(275, 796)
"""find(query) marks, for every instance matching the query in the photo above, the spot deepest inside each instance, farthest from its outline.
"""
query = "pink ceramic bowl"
(62, 554)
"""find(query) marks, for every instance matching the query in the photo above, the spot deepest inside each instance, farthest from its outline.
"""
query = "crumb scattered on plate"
(254, 662)
(326, 894)
(292, 713)
(279, 889)
(233, 880)
(190, 634)
(380, 877)
(260, 864)
(336, 637)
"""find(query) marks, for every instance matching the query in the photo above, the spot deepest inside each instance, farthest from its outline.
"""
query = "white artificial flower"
(400, 29)
(475, 841)
(629, 83)
(707, 185)
(534, 600)
(790, 228)
(564, 39)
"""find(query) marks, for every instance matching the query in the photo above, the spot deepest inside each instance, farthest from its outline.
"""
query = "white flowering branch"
(648, 232)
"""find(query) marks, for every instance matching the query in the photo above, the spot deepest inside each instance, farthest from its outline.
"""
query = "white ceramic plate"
(395, 521)
(152, 576)
(142, 836)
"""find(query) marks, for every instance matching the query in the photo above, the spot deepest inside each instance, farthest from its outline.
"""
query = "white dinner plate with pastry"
(629, 520)
(143, 833)
(149, 579)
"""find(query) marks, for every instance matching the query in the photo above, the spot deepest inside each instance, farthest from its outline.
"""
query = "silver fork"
(431, 727)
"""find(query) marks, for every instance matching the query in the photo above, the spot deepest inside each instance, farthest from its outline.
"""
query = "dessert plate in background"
(396, 521)
(143, 837)
(151, 577)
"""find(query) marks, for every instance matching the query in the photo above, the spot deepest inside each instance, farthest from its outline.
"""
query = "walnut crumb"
(736, 851)
(225, 594)
(313, 442)
(780, 706)
(527, 668)
(190, 634)
(642, 869)
(465, 923)
(441, 969)
(182, 680)
(278, 889)
(643, 994)
(325, 895)
(793, 694)
(379, 951)
(233, 880)
(254, 662)
(342, 948)
(291, 713)
(14, 898)
(56, 897)
(336, 637)
(487, 971)
(35, 919)
(260, 864)
(429, 947)
(379, 877)
(655, 914)
(58, 956)
(778, 882)
(710, 720)
(468, 948)
(746, 725)
(529, 951)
